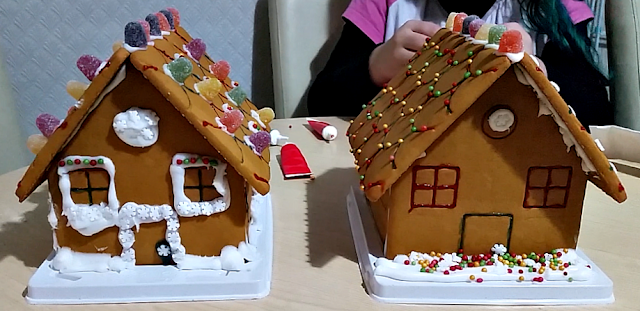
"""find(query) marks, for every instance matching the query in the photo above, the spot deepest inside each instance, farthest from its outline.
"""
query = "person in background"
(380, 35)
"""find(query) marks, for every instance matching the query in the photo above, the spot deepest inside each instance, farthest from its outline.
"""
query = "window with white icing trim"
(89, 186)
(435, 186)
(499, 122)
(198, 184)
(547, 186)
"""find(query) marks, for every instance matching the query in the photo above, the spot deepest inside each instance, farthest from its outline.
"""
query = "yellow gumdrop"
(76, 89)
(483, 32)
(209, 88)
(35, 143)
(266, 115)
(116, 45)
(450, 19)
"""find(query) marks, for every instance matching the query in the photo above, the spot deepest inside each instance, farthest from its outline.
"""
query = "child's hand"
(387, 59)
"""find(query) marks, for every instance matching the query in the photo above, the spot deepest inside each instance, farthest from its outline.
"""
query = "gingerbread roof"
(198, 111)
(440, 83)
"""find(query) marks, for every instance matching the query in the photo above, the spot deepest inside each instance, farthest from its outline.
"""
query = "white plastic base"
(157, 283)
(598, 290)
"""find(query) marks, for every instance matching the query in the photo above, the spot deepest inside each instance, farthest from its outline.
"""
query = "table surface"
(315, 265)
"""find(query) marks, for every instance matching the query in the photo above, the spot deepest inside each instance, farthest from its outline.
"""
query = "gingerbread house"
(158, 161)
(472, 146)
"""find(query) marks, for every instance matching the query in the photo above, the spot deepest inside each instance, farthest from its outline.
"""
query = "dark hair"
(551, 18)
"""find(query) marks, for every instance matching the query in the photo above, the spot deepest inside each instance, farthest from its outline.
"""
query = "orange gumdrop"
(511, 42)
(458, 21)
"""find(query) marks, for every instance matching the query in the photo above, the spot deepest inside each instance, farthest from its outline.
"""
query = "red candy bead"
(77, 161)
(566, 265)
(423, 128)
(61, 163)
(509, 270)
(559, 254)
(407, 262)
(386, 130)
(192, 160)
(446, 272)
(479, 280)
(93, 162)
(520, 271)
(511, 42)
(205, 160)
(449, 61)
(179, 161)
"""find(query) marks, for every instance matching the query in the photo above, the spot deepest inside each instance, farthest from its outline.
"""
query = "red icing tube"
(324, 129)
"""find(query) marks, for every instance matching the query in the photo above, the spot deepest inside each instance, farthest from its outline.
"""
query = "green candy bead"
(455, 63)
(483, 263)
(373, 103)
(413, 128)
(440, 54)
(70, 162)
(185, 161)
(495, 33)
(542, 259)
(467, 74)
(426, 64)
(377, 113)
(411, 121)
(396, 100)
(430, 87)
(364, 106)
(530, 269)
(437, 93)
(100, 161)
(470, 53)
(86, 161)
(409, 67)
(361, 177)
(413, 263)
(436, 52)
(478, 72)
(423, 270)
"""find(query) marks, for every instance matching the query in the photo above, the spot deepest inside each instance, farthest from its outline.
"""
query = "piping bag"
(325, 130)
(293, 162)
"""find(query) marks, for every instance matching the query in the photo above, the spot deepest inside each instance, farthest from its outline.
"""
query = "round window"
(499, 122)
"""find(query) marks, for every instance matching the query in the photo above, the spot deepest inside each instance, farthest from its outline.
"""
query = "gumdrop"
(483, 32)
(35, 143)
(495, 33)
(266, 115)
(116, 45)
(260, 141)
(196, 48)
(154, 25)
(450, 19)
(47, 124)
(76, 89)
(176, 16)
(180, 69)
(88, 65)
(209, 88)
(237, 95)
(134, 35)
(169, 17)
(232, 119)
(474, 26)
(163, 22)
(457, 22)
(511, 42)
(466, 22)
(220, 70)
(147, 29)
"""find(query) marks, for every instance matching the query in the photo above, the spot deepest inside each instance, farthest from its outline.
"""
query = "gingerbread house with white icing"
(471, 147)
(160, 162)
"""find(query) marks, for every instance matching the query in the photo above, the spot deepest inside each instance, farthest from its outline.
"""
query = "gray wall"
(41, 41)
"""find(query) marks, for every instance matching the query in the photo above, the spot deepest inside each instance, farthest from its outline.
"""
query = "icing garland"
(557, 265)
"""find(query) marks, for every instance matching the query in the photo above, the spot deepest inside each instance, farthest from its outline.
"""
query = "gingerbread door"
(481, 231)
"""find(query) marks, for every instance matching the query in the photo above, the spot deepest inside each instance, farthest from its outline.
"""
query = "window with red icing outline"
(547, 187)
(89, 186)
(198, 184)
(434, 186)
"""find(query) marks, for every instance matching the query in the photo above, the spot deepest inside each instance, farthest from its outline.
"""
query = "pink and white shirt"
(379, 19)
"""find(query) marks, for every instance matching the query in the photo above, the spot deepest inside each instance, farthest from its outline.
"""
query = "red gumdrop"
(232, 119)
(457, 22)
(220, 70)
(147, 29)
(88, 65)
(176, 16)
(163, 22)
(511, 42)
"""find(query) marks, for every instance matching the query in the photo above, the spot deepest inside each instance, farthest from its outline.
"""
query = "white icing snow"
(578, 270)
(513, 57)
(501, 120)
(132, 49)
(53, 222)
(547, 109)
(137, 127)
(152, 37)
(256, 116)
(499, 249)
(165, 33)
(68, 261)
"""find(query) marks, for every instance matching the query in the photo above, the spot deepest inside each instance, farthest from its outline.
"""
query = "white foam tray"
(156, 283)
(598, 290)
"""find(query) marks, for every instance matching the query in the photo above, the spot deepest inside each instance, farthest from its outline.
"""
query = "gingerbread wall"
(492, 179)
(142, 176)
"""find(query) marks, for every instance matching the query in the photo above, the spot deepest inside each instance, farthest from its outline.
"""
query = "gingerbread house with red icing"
(160, 162)
(471, 148)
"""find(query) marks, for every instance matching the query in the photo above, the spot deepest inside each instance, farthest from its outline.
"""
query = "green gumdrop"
(180, 69)
(495, 33)
(238, 95)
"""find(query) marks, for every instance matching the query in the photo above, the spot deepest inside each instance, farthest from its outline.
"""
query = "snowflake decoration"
(173, 224)
(125, 236)
(499, 249)
(155, 214)
(207, 209)
(173, 238)
(128, 255)
(143, 212)
(163, 250)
